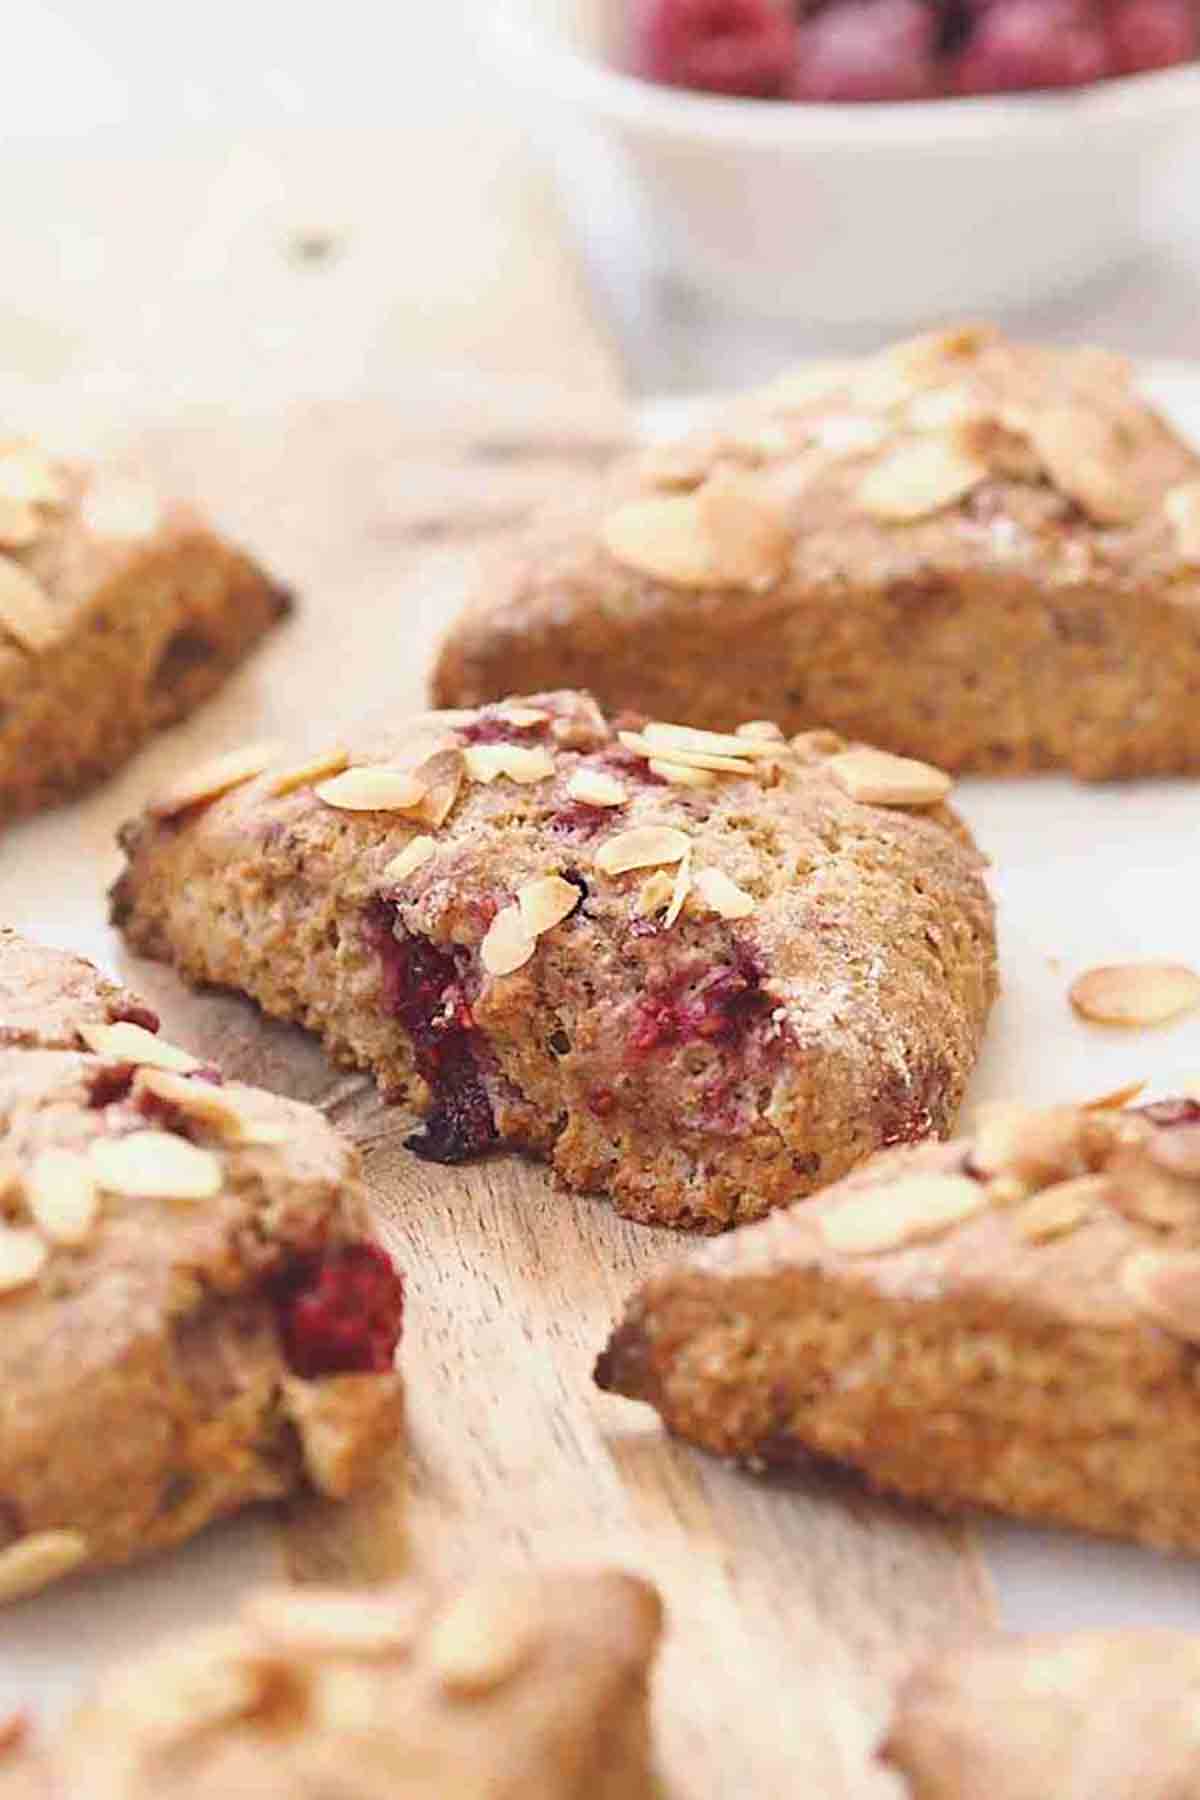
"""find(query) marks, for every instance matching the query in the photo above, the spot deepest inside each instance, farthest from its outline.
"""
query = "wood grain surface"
(793, 1603)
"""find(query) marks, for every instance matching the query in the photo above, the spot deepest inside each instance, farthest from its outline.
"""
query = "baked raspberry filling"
(721, 1007)
(1171, 1112)
(910, 1107)
(493, 728)
(422, 988)
(340, 1311)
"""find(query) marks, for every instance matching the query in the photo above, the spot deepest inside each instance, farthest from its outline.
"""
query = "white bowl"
(860, 213)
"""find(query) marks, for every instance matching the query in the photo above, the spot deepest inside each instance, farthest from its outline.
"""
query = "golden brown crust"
(982, 554)
(821, 992)
(118, 615)
(1006, 1321)
(1083, 1716)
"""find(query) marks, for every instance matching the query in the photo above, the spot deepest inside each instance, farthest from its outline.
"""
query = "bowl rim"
(535, 58)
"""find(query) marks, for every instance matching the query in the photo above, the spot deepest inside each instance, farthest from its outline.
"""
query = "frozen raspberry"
(1021, 44)
(340, 1311)
(1151, 34)
(868, 50)
(719, 46)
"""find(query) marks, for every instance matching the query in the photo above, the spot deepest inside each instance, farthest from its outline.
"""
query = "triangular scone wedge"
(1008, 1321)
(522, 1687)
(981, 553)
(704, 974)
(1104, 1715)
(193, 1313)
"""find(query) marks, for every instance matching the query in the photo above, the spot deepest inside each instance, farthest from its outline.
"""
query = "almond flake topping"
(508, 945)
(523, 718)
(1182, 507)
(480, 1641)
(216, 1107)
(20, 524)
(27, 475)
(766, 729)
(485, 762)
(154, 1165)
(310, 1622)
(121, 508)
(655, 893)
(681, 887)
(752, 539)
(63, 1197)
(545, 903)
(1059, 1210)
(1116, 1099)
(25, 609)
(592, 787)
(214, 778)
(725, 534)
(909, 1211)
(1084, 458)
(129, 1043)
(642, 847)
(22, 1257)
(413, 857)
(879, 779)
(680, 774)
(799, 387)
(373, 789)
(317, 768)
(920, 478)
(441, 776)
(666, 738)
(33, 1562)
(723, 896)
(1136, 993)
(642, 744)
(208, 1680)
(1165, 1285)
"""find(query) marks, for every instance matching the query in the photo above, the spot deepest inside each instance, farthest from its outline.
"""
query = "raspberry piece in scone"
(193, 1313)
(1007, 1321)
(704, 974)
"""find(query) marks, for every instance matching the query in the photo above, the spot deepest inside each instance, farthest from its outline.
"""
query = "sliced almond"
(34, 1562)
(29, 476)
(753, 540)
(642, 847)
(524, 718)
(726, 533)
(129, 1043)
(1059, 1210)
(1135, 993)
(121, 508)
(766, 729)
(592, 787)
(309, 1622)
(909, 1211)
(486, 762)
(1182, 507)
(655, 893)
(848, 434)
(507, 945)
(682, 774)
(307, 774)
(20, 524)
(211, 1678)
(800, 387)
(213, 1106)
(666, 738)
(1116, 1099)
(373, 789)
(681, 887)
(62, 1194)
(642, 744)
(414, 856)
(1084, 458)
(480, 1642)
(440, 775)
(154, 1165)
(26, 612)
(723, 896)
(214, 778)
(919, 478)
(545, 903)
(878, 779)
(1165, 1286)
(22, 1257)
(941, 409)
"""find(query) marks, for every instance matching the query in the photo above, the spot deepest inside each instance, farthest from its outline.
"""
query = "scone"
(119, 613)
(976, 552)
(703, 974)
(1007, 1321)
(193, 1315)
(530, 1687)
(1104, 1715)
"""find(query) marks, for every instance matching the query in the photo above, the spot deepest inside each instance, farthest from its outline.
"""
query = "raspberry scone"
(1009, 1321)
(193, 1315)
(702, 973)
(119, 613)
(524, 1687)
(1105, 1715)
(980, 553)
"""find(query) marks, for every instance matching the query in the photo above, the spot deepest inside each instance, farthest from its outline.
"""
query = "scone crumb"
(25, 609)
(33, 1562)
(1165, 1286)
(154, 1165)
(909, 1211)
(592, 787)
(213, 1106)
(413, 856)
(1058, 1210)
(316, 1623)
(306, 774)
(212, 779)
(481, 1641)
(128, 1043)
(486, 762)
(1135, 993)
(507, 945)
(642, 847)
(919, 478)
(722, 895)
(880, 779)
(372, 789)
(62, 1194)
(1182, 507)
(22, 1257)
(545, 903)
(678, 774)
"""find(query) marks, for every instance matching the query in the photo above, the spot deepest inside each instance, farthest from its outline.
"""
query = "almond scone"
(521, 1687)
(1007, 1321)
(1095, 1715)
(193, 1314)
(981, 553)
(704, 974)
(120, 612)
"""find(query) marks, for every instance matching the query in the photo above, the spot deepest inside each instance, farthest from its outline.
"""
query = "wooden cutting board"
(793, 1603)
